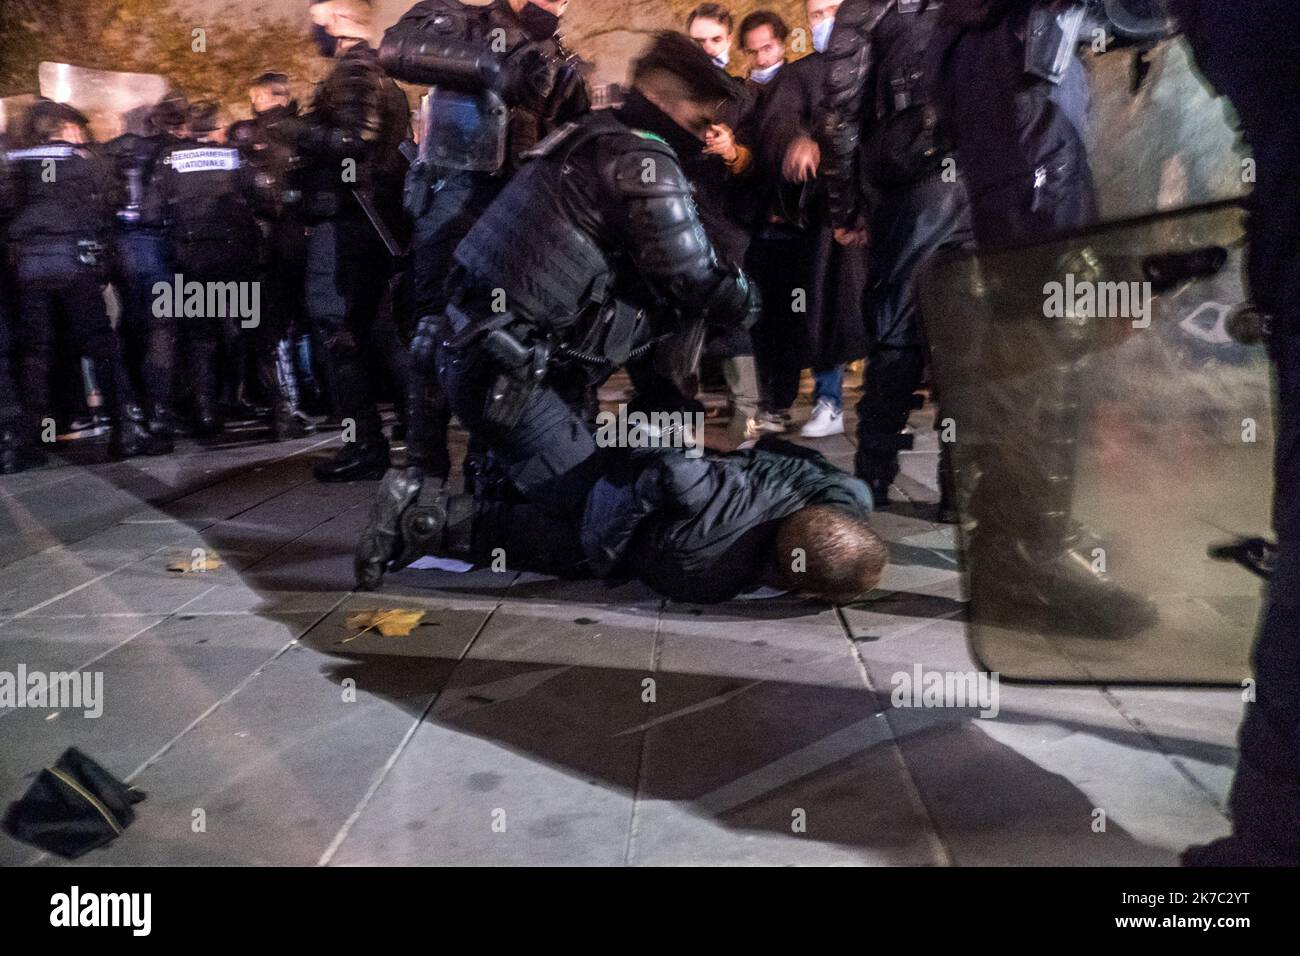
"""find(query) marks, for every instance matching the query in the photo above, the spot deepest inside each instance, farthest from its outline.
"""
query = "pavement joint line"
(1154, 740)
(634, 813)
(938, 845)
(190, 531)
(85, 584)
(341, 836)
(230, 695)
(235, 475)
(162, 751)
(125, 641)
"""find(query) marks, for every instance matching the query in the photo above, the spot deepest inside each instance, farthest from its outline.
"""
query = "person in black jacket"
(504, 64)
(204, 194)
(1248, 49)
(284, 245)
(695, 529)
(141, 260)
(352, 172)
(61, 198)
(590, 256)
(891, 178)
(12, 426)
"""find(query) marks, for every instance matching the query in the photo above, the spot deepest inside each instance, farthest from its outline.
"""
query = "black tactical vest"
(908, 139)
(61, 192)
(528, 242)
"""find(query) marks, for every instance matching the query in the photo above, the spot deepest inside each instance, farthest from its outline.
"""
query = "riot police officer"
(890, 177)
(204, 193)
(504, 65)
(1248, 49)
(1012, 86)
(352, 179)
(284, 250)
(591, 254)
(141, 261)
(61, 199)
(12, 458)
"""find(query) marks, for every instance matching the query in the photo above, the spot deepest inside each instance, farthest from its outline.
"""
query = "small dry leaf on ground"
(391, 622)
(191, 564)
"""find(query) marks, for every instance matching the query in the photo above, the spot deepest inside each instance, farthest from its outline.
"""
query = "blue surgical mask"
(722, 59)
(822, 34)
(765, 74)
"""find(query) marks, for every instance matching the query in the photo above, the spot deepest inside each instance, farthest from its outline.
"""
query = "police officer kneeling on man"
(591, 254)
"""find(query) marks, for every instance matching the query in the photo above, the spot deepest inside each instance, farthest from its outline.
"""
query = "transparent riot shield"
(115, 103)
(12, 111)
(463, 130)
(1109, 437)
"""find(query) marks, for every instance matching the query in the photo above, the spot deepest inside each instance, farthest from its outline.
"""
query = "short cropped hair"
(840, 556)
(46, 119)
(204, 116)
(711, 11)
(675, 58)
(764, 18)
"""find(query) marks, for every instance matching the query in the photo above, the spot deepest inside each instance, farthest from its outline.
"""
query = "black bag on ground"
(72, 808)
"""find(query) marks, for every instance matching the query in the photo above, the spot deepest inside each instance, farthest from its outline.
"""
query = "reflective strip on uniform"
(203, 160)
(43, 152)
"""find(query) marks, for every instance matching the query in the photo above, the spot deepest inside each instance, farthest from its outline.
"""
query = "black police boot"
(356, 461)
(206, 391)
(287, 418)
(383, 540)
(129, 438)
(162, 428)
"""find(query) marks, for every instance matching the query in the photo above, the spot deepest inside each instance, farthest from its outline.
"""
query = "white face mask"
(821, 34)
(722, 59)
(764, 74)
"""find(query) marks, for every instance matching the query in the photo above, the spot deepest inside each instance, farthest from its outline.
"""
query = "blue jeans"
(828, 385)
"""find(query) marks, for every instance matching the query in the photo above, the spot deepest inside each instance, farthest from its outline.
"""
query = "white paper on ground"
(432, 562)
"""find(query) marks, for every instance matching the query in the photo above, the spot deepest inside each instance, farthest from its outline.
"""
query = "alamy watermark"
(55, 690)
(1085, 299)
(179, 299)
(958, 689)
(624, 429)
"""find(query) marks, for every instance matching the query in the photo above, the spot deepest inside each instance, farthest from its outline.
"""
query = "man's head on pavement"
(824, 552)
(678, 77)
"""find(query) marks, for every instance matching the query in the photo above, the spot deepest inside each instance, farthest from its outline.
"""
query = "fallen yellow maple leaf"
(199, 560)
(391, 622)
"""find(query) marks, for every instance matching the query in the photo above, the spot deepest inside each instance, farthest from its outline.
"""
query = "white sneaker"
(771, 423)
(826, 420)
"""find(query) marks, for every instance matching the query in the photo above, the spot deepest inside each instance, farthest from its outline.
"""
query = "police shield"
(463, 130)
(115, 103)
(12, 111)
(1112, 446)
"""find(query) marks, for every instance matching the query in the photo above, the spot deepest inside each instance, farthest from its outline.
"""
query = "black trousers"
(61, 297)
(780, 261)
(910, 225)
(550, 455)
(346, 281)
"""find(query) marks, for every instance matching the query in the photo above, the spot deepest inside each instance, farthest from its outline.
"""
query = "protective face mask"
(722, 59)
(822, 34)
(324, 42)
(764, 74)
(538, 23)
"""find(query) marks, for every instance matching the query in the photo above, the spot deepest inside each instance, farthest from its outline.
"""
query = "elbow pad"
(734, 303)
(440, 61)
